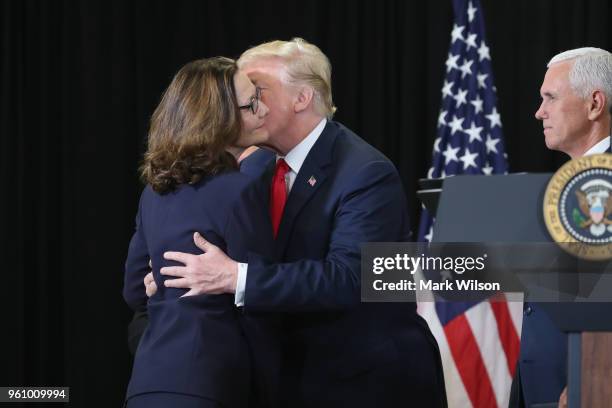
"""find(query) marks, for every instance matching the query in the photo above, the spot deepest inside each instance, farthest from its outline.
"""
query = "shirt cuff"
(241, 284)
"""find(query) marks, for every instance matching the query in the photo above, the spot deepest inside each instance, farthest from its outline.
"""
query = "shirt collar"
(296, 156)
(601, 147)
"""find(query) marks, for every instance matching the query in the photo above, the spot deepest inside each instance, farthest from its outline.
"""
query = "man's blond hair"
(305, 64)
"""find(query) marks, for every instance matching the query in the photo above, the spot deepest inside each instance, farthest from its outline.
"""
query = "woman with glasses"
(193, 352)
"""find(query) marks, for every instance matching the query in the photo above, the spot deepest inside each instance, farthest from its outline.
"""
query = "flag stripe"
(470, 365)
(483, 321)
(516, 312)
(507, 333)
(455, 391)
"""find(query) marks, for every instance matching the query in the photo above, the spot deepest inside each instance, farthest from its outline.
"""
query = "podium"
(507, 209)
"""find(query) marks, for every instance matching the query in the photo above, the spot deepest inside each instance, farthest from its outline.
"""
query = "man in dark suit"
(575, 113)
(330, 191)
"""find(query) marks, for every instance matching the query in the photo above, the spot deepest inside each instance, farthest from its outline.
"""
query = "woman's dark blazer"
(194, 345)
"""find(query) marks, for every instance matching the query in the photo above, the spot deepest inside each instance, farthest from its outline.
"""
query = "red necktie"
(278, 194)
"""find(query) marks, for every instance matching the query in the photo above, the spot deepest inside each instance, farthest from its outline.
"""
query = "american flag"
(479, 341)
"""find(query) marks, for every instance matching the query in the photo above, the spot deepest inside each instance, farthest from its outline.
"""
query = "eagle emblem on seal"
(595, 207)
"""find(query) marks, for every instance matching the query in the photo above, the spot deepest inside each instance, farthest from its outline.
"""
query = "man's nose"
(540, 113)
(263, 109)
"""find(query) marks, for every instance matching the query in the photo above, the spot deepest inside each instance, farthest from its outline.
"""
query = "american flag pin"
(312, 181)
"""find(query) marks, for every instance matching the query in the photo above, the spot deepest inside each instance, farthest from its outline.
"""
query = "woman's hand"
(149, 282)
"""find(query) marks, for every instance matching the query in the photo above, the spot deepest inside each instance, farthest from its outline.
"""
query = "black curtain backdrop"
(79, 80)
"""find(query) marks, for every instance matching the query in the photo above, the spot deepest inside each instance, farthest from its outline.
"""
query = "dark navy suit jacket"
(542, 366)
(194, 345)
(339, 351)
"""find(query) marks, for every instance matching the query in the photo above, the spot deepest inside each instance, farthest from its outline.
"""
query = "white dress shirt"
(601, 147)
(294, 159)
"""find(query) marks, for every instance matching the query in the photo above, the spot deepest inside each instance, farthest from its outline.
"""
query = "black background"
(79, 80)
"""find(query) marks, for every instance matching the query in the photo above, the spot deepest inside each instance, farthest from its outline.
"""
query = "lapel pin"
(312, 181)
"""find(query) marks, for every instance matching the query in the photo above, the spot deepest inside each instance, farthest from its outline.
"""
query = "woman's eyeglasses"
(254, 102)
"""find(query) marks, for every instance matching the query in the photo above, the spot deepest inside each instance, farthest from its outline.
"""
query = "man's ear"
(303, 98)
(597, 105)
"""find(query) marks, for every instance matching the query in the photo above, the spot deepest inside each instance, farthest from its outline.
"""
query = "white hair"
(592, 70)
(304, 63)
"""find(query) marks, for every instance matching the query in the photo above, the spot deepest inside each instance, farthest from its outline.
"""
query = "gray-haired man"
(575, 112)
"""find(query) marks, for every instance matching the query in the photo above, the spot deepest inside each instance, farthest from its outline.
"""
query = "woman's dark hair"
(196, 120)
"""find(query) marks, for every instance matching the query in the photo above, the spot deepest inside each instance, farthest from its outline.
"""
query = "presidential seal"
(578, 207)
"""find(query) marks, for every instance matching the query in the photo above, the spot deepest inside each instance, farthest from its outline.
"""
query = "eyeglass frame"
(253, 104)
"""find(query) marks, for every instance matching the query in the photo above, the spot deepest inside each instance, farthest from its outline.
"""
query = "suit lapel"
(312, 176)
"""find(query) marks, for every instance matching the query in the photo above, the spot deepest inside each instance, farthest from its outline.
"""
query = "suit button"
(527, 311)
